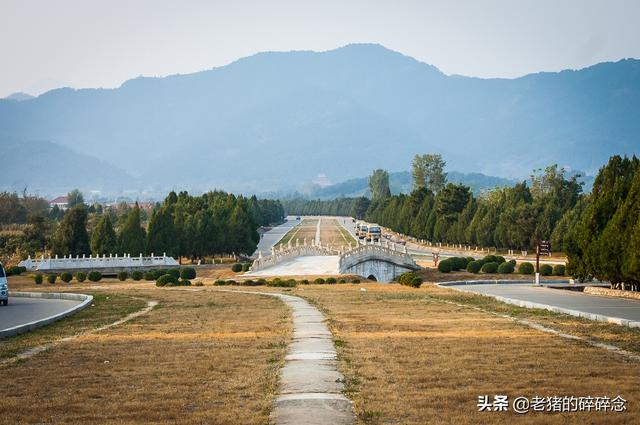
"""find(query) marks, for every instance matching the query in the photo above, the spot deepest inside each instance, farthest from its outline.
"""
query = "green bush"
(489, 259)
(264, 281)
(174, 272)
(319, 281)
(342, 281)
(81, 276)
(290, 283)
(236, 268)
(559, 270)
(246, 267)
(15, 270)
(219, 282)
(188, 273)
(51, 277)
(331, 280)
(136, 275)
(122, 276)
(474, 266)
(167, 280)
(505, 268)
(150, 275)
(525, 268)
(410, 279)
(491, 267)
(198, 283)
(304, 282)
(66, 277)
(355, 281)
(445, 266)
(458, 263)
(546, 270)
(250, 282)
(184, 282)
(500, 259)
(231, 282)
(37, 279)
(94, 276)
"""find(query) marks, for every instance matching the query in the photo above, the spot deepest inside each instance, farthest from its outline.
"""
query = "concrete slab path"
(311, 387)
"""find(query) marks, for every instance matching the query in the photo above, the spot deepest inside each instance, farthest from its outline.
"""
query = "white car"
(4, 290)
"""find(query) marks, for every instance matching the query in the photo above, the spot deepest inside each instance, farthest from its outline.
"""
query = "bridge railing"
(279, 256)
(382, 251)
(96, 262)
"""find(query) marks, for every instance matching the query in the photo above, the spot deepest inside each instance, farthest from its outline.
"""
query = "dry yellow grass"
(199, 357)
(410, 358)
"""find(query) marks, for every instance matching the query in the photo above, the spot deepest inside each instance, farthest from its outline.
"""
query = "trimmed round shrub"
(15, 270)
(546, 270)
(264, 281)
(184, 282)
(158, 273)
(331, 280)
(474, 266)
(94, 276)
(236, 268)
(489, 259)
(304, 282)
(122, 276)
(319, 281)
(342, 281)
(499, 259)
(246, 267)
(505, 268)
(219, 282)
(410, 279)
(174, 272)
(188, 273)
(81, 276)
(525, 268)
(290, 283)
(458, 263)
(355, 281)
(491, 267)
(166, 280)
(37, 279)
(51, 277)
(136, 275)
(231, 282)
(445, 266)
(512, 262)
(66, 277)
(198, 283)
(150, 275)
(559, 270)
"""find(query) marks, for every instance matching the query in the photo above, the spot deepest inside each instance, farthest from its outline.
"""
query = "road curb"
(26, 327)
(529, 304)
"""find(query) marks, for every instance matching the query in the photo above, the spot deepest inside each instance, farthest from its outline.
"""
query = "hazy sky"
(87, 43)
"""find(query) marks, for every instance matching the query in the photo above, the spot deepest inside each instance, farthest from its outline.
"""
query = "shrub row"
(282, 283)
(496, 264)
(240, 267)
(410, 279)
(171, 280)
(66, 277)
(15, 270)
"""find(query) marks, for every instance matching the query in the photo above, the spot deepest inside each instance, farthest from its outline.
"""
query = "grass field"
(409, 356)
(198, 357)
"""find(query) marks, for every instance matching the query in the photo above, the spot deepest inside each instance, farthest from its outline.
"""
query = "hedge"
(66, 277)
(174, 272)
(410, 279)
(506, 268)
(166, 279)
(246, 267)
(150, 275)
(94, 276)
(546, 270)
(122, 276)
(188, 273)
(445, 266)
(136, 275)
(331, 280)
(81, 276)
(291, 283)
(525, 268)
(51, 277)
(559, 270)
(474, 266)
(319, 281)
(236, 268)
(37, 279)
(491, 267)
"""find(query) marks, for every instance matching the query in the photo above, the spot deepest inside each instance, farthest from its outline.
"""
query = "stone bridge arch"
(382, 263)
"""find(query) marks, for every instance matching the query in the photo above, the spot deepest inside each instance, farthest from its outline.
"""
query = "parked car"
(4, 289)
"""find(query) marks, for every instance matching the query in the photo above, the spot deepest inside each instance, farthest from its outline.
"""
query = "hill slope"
(276, 119)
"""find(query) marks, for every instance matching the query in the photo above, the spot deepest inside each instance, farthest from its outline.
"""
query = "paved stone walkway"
(310, 384)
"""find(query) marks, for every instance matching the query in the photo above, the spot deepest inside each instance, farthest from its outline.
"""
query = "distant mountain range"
(275, 120)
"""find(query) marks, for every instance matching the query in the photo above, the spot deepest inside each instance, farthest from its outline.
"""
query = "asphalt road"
(24, 310)
(607, 306)
(270, 238)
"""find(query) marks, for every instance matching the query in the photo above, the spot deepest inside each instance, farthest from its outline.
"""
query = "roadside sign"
(544, 248)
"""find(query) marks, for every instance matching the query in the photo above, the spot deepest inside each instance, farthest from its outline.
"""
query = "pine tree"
(71, 237)
(161, 235)
(132, 237)
(103, 237)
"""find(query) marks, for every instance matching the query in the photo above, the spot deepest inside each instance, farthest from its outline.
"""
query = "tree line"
(599, 232)
(214, 223)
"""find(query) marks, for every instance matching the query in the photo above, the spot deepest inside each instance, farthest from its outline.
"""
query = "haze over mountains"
(276, 120)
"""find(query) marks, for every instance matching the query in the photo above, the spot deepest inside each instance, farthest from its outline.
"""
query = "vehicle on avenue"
(362, 231)
(298, 218)
(4, 289)
(374, 232)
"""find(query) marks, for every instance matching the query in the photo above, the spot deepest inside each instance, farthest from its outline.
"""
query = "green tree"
(132, 236)
(71, 237)
(379, 185)
(74, 198)
(428, 172)
(161, 235)
(103, 237)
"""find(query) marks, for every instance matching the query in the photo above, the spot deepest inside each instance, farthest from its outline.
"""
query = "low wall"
(606, 292)
(26, 327)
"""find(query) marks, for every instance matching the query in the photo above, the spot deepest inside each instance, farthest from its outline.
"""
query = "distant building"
(61, 202)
